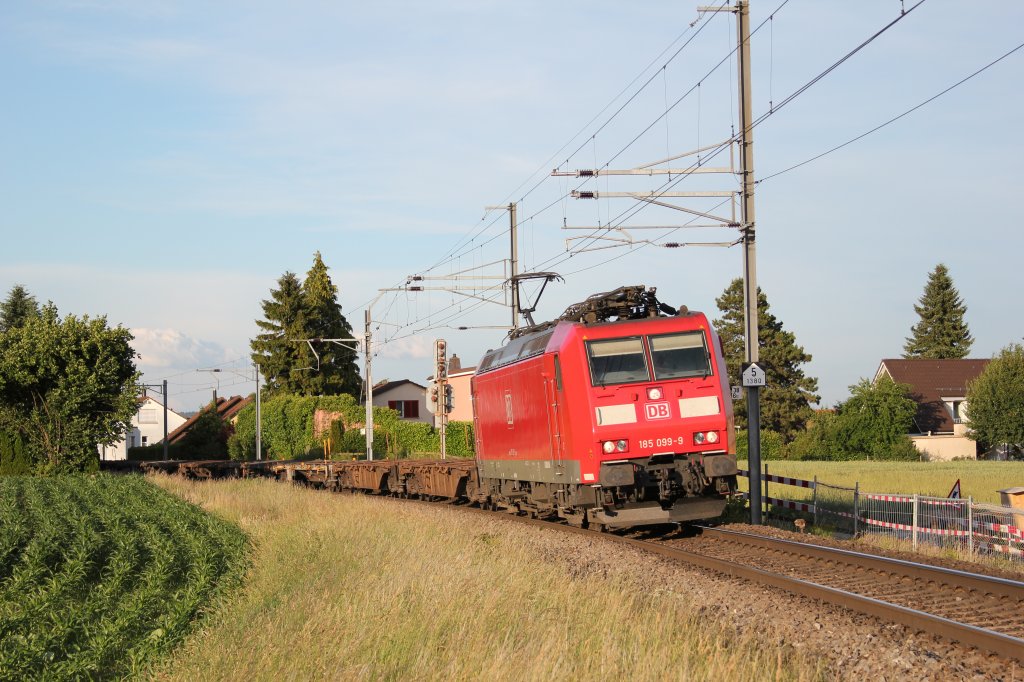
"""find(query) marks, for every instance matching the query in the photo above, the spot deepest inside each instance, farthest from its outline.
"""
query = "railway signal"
(441, 391)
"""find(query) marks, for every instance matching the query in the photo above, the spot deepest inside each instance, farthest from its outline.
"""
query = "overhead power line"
(894, 118)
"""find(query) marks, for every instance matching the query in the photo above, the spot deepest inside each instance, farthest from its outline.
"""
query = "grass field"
(979, 480)
(358, 588)
(100, 575)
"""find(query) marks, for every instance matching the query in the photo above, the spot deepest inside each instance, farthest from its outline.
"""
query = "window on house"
(145, 441)
(406, 409)
(147, 416)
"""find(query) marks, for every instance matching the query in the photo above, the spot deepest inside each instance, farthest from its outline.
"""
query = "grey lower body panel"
(540, 470)
(686, 509)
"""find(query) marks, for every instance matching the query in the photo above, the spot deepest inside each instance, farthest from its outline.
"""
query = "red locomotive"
(616, 414)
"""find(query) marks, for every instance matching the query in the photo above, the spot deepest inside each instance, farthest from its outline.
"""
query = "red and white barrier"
(910, 500)
(772, 478)
(788, 504)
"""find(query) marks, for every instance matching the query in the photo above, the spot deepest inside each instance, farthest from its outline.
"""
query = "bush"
(772, 446)
(830, 438)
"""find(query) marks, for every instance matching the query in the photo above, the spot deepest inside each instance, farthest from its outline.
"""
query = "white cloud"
(409, 348)
(165, 348)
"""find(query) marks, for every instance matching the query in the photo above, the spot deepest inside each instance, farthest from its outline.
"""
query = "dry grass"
(351, 587)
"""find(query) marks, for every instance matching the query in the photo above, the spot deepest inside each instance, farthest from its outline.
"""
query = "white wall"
(406, 392)
(147, 428)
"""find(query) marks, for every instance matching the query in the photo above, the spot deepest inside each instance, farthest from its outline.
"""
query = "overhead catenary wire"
(544, 167)
(618, 221)
(894, 118)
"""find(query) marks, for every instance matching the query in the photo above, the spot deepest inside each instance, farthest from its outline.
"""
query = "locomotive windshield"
(679, 355)
(617, 361)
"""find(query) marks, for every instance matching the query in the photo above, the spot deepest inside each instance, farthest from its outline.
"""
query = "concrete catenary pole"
(749, 255)
(165, 420)
(259, 416)
(369, 387)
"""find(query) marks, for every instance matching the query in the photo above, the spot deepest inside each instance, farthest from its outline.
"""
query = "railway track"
(976, 610)
(973, 609)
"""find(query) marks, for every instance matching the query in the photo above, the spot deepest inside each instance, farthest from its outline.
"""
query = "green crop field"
(100, 575)
(980, 480)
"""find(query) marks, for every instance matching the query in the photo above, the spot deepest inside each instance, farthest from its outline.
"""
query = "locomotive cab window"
(617, 361)
(680, 355)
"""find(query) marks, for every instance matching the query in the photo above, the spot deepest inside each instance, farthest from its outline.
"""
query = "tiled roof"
(930, 382)
(227, 408)
(388, 385)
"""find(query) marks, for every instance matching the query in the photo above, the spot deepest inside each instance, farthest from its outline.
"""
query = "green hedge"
(287, 431)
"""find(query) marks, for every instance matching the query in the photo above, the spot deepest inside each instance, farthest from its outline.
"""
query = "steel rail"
(985, 584)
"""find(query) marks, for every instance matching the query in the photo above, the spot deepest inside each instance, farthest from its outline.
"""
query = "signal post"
(441, 392)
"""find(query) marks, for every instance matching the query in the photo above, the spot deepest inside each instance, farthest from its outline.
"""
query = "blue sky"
(165, 162)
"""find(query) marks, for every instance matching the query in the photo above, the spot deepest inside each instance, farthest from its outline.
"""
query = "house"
(146, 428)
(406, 397)
(462, 398)
(939, 387)
(227, 409)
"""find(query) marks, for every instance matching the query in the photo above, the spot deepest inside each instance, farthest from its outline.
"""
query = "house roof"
(143, 399)
(227, 409)
(931, 381)
(391, 385)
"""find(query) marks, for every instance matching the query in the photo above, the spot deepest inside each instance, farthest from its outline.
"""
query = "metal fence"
(837, 505)
(918, 520)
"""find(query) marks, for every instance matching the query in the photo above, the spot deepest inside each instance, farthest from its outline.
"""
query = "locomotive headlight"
(712, 436)
(654, 394)
(608, 447)
(621, 445)
(698, 438)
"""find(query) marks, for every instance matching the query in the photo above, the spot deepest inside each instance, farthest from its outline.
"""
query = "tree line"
(69, 383)
(876, 418)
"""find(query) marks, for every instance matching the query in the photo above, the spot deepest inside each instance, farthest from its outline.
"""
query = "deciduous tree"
(786, 400)
(941, 331)
(874, 421)
(871, 424)
(995, 401)
(66, 386)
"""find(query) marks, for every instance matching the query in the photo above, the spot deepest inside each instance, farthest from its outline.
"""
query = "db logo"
(658, 411)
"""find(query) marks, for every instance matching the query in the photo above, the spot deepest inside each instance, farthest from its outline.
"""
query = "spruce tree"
(17, 308)
(786, 400)
(941, 332)
(279, 350)
(338, 370)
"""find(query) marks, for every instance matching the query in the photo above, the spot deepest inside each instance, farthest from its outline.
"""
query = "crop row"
(101, 574)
